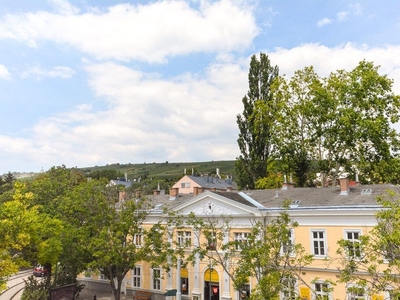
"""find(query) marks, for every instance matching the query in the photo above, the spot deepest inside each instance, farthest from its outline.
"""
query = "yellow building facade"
(324, 216)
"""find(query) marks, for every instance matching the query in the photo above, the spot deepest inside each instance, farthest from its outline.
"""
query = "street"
(15, 286)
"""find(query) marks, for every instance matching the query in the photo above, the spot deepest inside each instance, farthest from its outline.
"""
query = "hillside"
(166, 170)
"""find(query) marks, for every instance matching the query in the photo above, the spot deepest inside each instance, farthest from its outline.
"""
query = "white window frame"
(357, 240)
(319, 240)
(184, 239)
(351, 296)
(138, 239)
(290, 245)
(212, 241)
(156, 279)
(289, 292)
(240, 238)
(319, 292)
(136, 278)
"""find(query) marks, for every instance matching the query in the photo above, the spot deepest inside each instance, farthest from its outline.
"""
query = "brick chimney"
(138, 194)
(156, 192)
(197, 190)
(344, 186)
(121, 196)
(173, 192)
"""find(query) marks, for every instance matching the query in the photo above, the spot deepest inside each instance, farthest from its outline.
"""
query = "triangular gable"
(211, 204)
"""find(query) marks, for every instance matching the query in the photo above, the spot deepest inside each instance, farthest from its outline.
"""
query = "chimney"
(173, 192)
(121, 196)
(156, 192)
(344, 186)
(217, 172)
(197, 190)
(126, 176)
(138, 194)
(285, 186)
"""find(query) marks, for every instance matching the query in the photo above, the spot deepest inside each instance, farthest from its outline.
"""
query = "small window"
(136, 277)
(321, 291)
(184, 239)
(288, 291)
(212, 241)
(355, 292)
(156, 279)
(318, 242)
(287, 246)
(138, 239)
(353, 245)
(240, 239)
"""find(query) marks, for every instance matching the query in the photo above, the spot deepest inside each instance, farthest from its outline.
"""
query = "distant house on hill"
(125, 183)
(190, 184)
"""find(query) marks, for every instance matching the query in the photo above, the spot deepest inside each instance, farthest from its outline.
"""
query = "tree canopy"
(341, 123)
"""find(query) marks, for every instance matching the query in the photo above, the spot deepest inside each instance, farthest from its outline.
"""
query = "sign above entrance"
(213, 276)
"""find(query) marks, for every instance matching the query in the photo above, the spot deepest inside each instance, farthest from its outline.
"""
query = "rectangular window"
(156, 279)
(138, 239)
(240, 239)
(318, 242)
(185, 185)
(184, 239)
(287, 246)
(355, 292)
(288, 291)
(212, 241)
(353, 244)
(136, 277)
(321, 291)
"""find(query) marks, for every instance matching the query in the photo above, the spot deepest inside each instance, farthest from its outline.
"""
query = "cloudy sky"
(96, 82)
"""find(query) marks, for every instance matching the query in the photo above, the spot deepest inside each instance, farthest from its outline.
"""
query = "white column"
(178, 279)
(226, 281)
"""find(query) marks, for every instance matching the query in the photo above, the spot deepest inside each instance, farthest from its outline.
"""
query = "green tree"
(257, 123)
(296, 129)
(353, 116)
(49, 187)
(26, 234)
(265, 251)
(373, 262)
(122, 240)
(106, 173)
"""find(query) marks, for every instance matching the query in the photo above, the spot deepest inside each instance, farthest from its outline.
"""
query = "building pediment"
(212, 204)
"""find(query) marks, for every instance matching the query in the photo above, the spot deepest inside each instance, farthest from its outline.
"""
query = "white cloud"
(150, 32)
(64, 7)
(324, 21)
(356, 8)
(39, 73)
(4, 74)
(342, 15)
(190, 117)
(347, 56)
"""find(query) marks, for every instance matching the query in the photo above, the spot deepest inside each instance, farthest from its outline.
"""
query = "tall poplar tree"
(256, 123)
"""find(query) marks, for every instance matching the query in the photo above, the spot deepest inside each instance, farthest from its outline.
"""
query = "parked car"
(39, 271)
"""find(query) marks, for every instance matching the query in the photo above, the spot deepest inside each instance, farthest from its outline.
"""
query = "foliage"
(6, 182)
(265, 251)
(257, 123)
(49, 187)
(26, 235)
(296, 129)
(108, 174)
(272, 181)
(360, 101)
(373, 263)
(122, 240)
(35, 289)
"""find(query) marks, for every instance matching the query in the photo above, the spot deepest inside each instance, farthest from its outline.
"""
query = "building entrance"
(211, 285)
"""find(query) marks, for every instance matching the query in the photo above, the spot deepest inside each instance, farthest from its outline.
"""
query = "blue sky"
(96, 82)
